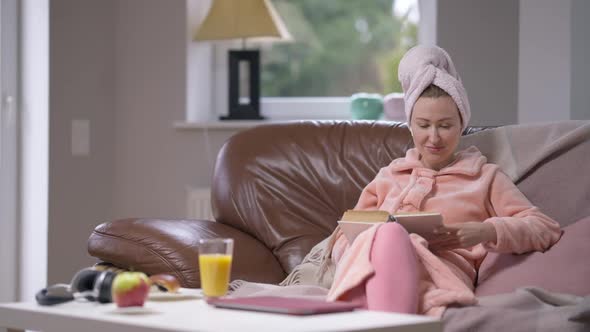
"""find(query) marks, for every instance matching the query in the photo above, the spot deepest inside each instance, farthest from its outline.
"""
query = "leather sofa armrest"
(171, 246)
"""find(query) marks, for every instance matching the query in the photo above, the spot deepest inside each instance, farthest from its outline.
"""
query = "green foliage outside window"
(340, 47)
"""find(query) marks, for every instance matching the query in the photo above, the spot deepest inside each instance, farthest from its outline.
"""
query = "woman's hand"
(464, 235)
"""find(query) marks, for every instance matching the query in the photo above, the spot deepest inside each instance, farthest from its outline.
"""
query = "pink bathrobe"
(468, 189)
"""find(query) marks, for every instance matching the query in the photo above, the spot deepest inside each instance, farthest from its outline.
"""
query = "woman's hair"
(433, 91)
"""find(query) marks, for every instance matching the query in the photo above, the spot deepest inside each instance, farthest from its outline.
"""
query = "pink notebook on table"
(283, 305)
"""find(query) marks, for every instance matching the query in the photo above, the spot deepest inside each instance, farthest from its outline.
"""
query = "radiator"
(199, 203)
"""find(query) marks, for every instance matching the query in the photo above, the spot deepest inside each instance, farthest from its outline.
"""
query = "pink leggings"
(394, 286)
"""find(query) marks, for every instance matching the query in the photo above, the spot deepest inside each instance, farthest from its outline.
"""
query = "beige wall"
(151, 91)
(121, 64)
(81, 87)
(155, 162)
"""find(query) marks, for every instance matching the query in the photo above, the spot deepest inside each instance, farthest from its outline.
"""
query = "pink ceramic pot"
(393, 107)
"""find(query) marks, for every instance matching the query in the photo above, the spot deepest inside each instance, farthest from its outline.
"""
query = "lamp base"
(238, 110)
(241, 116)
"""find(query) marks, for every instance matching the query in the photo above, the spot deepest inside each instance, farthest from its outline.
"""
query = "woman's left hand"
(464, 235)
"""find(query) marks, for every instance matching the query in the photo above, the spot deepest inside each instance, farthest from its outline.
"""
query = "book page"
(422, 223)
(365, 216)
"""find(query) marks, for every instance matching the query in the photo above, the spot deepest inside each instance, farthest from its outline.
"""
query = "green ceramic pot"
(366, 106)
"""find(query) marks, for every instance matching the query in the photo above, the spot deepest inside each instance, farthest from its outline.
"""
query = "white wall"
(34, 156)
(544, 63)
(521, 62)
(199, 63)
(580, 45)
(428, 21)
(482, 39)
(553, 67)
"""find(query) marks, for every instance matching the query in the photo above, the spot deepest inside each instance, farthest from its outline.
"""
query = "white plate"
(182, 294)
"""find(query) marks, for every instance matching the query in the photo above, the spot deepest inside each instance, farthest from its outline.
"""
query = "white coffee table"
(193, 314)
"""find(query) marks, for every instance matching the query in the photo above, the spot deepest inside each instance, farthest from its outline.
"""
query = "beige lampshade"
(241, 19)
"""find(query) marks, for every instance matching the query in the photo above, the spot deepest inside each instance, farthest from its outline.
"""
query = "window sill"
(275, 110)
(238, 124)
(221, 125)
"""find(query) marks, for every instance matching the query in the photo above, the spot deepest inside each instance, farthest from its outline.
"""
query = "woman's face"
(436, 129)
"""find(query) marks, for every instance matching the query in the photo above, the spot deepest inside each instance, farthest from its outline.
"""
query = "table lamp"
(243, 19)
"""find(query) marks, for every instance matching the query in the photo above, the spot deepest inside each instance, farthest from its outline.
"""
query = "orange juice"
(215, 272)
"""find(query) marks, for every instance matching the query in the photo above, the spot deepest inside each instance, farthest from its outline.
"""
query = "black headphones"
(87, 283)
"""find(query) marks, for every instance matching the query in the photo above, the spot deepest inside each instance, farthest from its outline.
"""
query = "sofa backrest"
(287, 184)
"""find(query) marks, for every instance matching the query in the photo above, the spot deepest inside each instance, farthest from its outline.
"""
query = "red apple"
(130, 289)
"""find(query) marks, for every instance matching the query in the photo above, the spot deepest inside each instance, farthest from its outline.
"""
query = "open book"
(353, 222)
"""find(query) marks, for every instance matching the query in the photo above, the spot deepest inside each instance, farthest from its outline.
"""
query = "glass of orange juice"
(215, 257)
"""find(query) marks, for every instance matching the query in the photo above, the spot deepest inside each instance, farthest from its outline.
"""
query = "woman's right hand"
(464, 235)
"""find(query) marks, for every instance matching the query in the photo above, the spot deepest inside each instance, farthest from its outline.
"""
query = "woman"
(387, 269)
(390, 270)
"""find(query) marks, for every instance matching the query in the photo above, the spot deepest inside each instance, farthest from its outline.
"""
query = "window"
(340, 47)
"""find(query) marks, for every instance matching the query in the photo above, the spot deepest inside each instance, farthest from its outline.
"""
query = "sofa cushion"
(550, 186)
(501, 273)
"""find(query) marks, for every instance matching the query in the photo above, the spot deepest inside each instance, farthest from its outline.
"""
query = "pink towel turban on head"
(422, 66)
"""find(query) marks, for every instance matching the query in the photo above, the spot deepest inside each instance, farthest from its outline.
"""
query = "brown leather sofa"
(277, 189)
